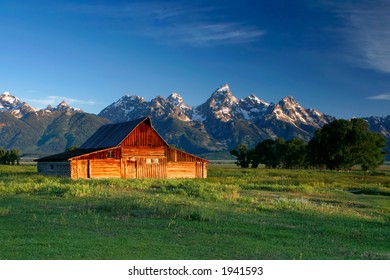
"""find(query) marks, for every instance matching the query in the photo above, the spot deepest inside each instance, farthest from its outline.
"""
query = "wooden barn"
(131, 149)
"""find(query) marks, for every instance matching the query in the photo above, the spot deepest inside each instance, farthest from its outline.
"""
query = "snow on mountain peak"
(63, 103)
(223, 88)
(63, 106)
(12, 104)
(254, 100)
(176, 99)
(223, 97)
(132, 97)
(289, 99)
(8, 100)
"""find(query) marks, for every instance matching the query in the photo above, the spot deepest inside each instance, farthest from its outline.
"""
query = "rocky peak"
(12, 104)
(222, 97)
(253, 107)
(221, 106)
(290, 111)
(8, 101)
(63, 105)
(253, 100)
(158, 102)
(223, 88)
(289, 102)
(175, 99)
(132, 98)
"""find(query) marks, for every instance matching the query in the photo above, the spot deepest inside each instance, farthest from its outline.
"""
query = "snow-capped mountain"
(19, 109)
(381, 125)
(219, 124)
(290, 111)
(43, 131)
(224, 119)
(12, 104)
(222, 105)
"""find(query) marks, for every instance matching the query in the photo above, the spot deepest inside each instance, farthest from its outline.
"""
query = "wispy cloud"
(205, 34)
(71, 100)
(367, 33)
(55, 100)
(384, 96)
(176, 23)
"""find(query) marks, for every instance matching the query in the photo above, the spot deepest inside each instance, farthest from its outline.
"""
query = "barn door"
(131, 169)
(83, 169)
(151, 167)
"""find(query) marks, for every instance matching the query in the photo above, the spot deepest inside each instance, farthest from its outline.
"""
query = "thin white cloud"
(384, 96)
(367, 33)
(175, 23)
(215, 33)
(71, 100)
(55, 100)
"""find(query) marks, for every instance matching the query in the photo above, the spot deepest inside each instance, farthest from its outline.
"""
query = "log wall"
(137, 162)
(142, 154)
(108, 168)
(186, 170)
(98, 168)
(151, 167)
(61, 168)
(143, 135)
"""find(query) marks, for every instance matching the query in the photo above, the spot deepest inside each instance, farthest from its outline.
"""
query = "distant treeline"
(339, 145)
(11, 157)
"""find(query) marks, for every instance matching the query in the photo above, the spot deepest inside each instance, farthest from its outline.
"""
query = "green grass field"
(234, 214)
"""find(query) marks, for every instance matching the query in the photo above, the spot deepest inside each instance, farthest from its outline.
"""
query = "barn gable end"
(126, 150)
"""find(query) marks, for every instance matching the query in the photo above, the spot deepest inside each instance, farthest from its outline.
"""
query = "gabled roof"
(111, 135)
(67, 155)
(105, 138)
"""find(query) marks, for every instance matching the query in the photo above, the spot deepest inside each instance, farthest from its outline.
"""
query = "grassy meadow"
(234, 214)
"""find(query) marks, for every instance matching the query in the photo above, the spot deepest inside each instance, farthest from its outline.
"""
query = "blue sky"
(333, 56)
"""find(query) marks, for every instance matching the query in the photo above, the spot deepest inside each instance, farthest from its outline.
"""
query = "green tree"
(343, 144)
(295, 154)
(269, 152)
(72, 148)
(14, 157)
(367, 147)
(10, 157)
(3, 156)
(243, 155)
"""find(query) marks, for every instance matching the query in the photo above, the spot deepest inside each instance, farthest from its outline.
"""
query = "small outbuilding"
(131, 149)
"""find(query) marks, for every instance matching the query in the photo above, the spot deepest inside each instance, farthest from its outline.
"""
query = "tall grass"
(235, 213)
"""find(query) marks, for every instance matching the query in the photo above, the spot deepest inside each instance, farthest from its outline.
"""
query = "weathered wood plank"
(143, 151)
(143, 135)
(105, 168)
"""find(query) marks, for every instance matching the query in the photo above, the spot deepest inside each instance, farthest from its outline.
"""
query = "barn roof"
(106, 137)
(67, 155)
(111, 135)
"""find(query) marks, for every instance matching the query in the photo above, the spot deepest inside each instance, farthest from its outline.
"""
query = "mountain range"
(216, 126)
(43, 131)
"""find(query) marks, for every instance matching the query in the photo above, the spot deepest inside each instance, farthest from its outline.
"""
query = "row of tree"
(10, 157)
(338, 145)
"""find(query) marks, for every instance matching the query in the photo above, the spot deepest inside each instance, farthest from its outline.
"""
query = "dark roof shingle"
(111, 135)
(67, 155)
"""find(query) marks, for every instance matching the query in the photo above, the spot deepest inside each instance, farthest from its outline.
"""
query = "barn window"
(110, 154)
(51, 166)
(148, 161)
(155, 160)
